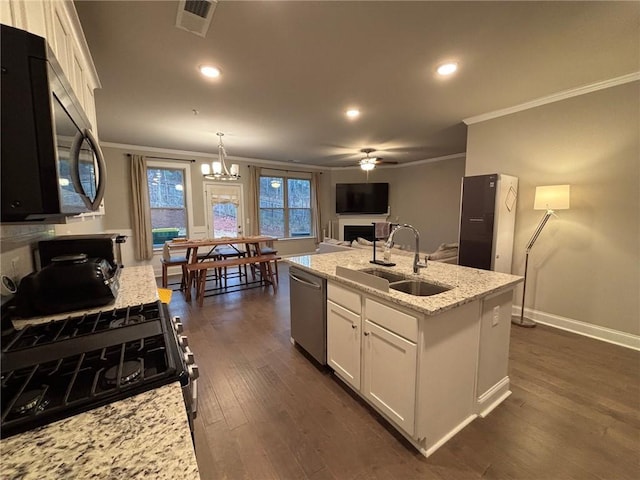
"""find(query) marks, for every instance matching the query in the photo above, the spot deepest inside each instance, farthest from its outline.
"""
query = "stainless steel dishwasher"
(308, 299)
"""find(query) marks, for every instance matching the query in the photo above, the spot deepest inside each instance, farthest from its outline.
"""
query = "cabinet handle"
(366, 334)
(354, 326)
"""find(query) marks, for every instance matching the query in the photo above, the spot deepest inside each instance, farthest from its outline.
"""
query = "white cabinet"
(343, 343)
(389, 374)
(377, 356)
(58, 22)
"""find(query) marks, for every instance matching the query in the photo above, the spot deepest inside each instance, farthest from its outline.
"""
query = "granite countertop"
(137, 286)
(467, 284)
(141, 437)
(144, 436)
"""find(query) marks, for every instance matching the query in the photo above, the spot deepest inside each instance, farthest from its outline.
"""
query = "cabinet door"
(390, 374)
(61, 39)
(343, 343)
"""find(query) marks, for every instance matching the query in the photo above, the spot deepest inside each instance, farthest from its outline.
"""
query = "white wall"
(585, 265)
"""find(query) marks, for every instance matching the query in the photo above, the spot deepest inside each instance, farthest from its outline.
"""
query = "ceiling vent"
(195, 15)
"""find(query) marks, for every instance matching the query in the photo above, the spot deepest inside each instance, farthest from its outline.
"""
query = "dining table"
(195, 247)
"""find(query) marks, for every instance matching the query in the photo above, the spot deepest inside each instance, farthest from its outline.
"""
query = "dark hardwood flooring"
(266, 411)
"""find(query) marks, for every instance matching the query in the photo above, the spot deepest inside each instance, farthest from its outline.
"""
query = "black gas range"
(54, 370)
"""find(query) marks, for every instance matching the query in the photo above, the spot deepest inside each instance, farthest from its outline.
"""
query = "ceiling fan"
(368, 163)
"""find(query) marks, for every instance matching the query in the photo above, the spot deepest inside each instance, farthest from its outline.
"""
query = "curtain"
(315, 205)
(254, 199)
(142, 240)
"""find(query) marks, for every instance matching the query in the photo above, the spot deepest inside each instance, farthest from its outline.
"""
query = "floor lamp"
(549, 198)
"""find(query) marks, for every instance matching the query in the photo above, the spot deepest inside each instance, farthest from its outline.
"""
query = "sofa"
(445, 253)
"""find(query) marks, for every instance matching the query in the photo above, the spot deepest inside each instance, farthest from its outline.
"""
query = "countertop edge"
(398, 298)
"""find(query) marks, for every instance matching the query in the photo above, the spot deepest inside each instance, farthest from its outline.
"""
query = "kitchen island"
(142, 436)
(429, 364)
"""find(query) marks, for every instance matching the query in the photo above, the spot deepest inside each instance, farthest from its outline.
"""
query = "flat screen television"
(361, 198)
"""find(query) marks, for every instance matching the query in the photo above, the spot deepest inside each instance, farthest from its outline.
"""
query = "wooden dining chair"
(173, 261)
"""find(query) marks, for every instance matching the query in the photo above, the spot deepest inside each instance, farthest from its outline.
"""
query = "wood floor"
(265, 411)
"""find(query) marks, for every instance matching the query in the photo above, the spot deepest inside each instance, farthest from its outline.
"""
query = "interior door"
(224, 204)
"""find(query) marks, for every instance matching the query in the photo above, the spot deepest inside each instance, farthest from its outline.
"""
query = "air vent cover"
(195, 15)
(198, 7)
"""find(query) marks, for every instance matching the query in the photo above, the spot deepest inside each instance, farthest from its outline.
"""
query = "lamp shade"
(552, 197)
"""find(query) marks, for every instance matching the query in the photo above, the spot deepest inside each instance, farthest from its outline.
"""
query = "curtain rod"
(167, 158)
(286, 170)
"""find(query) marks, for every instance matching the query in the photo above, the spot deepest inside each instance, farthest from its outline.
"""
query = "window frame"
(186, 175)
(285, 179)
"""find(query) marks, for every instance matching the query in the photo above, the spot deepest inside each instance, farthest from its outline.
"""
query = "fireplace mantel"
(344, 220)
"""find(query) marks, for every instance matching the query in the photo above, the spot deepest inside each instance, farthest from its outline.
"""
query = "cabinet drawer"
(397, 322)
(344, 297)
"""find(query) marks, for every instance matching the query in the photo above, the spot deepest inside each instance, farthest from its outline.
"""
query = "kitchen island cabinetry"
(389, 374)
(344, 329)
(428, 364)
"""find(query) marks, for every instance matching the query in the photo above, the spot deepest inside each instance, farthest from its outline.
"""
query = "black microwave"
(51, 164)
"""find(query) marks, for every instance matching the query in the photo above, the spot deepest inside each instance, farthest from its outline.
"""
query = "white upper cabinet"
(58, 22)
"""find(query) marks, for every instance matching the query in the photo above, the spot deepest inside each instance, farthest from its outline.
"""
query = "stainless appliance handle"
(102, 170)
(309, 284)
(194, 398)
(75, 169)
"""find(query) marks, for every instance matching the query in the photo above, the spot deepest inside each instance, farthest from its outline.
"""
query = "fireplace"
(351, 232)
(351, 227)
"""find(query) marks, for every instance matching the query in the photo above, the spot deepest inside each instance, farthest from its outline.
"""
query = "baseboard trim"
(590, 330)
(435, 446)
(493, 397)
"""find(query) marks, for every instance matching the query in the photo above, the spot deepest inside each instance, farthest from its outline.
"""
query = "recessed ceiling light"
(352, 113)
(209, 71)
(447, 68)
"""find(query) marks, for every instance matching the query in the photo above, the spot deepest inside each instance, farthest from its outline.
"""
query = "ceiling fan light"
(367, 164)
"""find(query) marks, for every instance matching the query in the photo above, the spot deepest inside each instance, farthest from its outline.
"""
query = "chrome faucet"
(416, 256)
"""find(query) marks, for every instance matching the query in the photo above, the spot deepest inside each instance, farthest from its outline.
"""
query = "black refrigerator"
(487, 221)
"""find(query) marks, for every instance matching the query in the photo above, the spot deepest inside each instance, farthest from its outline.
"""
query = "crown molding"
(207, 156)
(556, 97)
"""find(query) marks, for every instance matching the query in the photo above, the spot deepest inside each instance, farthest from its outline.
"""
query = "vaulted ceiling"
(291, 69)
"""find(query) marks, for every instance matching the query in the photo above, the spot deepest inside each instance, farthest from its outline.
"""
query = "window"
(167, 198)
(285, 206)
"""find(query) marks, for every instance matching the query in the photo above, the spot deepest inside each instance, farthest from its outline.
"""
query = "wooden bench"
(200, 271)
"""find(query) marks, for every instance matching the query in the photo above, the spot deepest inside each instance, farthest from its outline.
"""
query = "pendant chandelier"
(218, 170)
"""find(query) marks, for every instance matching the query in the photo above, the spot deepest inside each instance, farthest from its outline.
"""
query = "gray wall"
(425, 195)
(585, 265)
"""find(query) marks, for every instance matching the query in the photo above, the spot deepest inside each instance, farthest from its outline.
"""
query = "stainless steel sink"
(418, 288)
(390, 276)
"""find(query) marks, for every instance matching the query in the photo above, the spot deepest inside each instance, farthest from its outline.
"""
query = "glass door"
(224, 205)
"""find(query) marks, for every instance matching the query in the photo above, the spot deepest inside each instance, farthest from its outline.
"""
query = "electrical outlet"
(496, 316)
